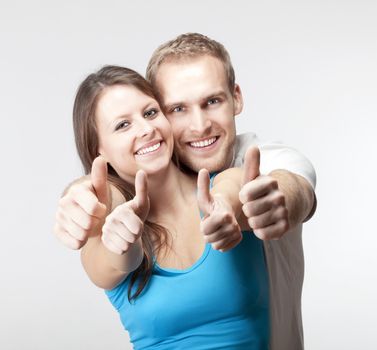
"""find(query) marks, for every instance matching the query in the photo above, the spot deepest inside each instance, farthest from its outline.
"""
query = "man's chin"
(212, 165)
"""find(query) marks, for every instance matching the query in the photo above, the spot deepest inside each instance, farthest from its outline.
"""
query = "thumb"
(205, 199)
(251, 164)
(140, 203)
(99, 179)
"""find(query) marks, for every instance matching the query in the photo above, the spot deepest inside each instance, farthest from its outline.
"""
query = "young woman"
(153, 254)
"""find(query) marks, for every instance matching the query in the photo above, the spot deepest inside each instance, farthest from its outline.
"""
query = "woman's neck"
(168, 191)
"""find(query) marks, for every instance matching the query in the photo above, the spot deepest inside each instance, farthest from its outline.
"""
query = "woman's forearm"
(105, 268)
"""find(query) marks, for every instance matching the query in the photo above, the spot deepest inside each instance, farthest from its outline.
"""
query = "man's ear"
(237, 99)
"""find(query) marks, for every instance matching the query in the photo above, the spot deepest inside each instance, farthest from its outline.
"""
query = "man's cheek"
(176, 134)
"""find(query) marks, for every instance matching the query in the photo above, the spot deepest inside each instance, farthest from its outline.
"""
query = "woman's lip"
(152, 151)
(148, 144)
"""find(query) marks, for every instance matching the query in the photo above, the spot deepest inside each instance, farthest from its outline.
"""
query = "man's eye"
(122, 125)
(212, 101)
(177, 109)
(150, 113)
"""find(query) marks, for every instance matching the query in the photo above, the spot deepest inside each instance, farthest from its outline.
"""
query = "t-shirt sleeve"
(276, 155)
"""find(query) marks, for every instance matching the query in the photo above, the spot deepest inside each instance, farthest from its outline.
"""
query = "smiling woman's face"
(132, 131)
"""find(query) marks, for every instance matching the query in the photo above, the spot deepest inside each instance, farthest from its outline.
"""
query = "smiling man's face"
(201, 108)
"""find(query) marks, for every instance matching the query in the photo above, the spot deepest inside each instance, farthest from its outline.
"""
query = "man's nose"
(199, 122)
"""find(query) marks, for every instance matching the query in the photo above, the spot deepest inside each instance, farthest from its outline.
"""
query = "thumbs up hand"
(219, 224)
(263, 201)
(125, 225)
(83, 207)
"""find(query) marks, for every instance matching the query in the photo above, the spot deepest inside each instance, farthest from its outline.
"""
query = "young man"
(195, 85)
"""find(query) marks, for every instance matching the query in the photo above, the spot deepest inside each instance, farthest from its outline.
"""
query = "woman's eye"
(122, 125)
(150, 113)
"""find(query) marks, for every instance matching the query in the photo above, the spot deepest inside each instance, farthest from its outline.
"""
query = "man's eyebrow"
(219, 93)
(170, 105)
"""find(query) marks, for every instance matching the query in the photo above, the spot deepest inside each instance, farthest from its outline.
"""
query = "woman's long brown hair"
(84, 124)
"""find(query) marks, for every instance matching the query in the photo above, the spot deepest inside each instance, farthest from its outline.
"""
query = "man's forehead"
(186, 80)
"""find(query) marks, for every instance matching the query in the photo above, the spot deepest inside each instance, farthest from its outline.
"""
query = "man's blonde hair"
(186, 46)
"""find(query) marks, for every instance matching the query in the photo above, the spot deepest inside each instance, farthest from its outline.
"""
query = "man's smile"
(203, 143)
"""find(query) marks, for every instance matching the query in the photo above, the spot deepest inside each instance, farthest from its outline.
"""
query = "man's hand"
(83, 207)
(219, 224)
(263, 203)
(125, 225)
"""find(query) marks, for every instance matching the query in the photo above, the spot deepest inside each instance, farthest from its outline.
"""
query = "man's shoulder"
(248, 137)
(274, 155)
(244, 141)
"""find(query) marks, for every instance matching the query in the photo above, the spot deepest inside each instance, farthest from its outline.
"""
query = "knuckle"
(87, 224)
(245, 194)
(250, 222)
(203, 227)
(76, 244)
(227, 218)
(247, 210)
(93, 207)
(235, 226)
(285, 226)
(261, 234)
(119, 210)
(271, 184)
(140, 231)
(105, 234)
(132, 238)
(59, 215)
(274, 184)
(253, 222)
(285, 212)
(81, 234)
(125, 247)
(64, 201)
(110, 219)
(279, 199)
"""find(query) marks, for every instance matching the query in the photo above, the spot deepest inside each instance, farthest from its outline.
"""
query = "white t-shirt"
(285, 257)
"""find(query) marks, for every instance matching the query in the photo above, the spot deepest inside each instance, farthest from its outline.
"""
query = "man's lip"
(216, 137)
(148, 144)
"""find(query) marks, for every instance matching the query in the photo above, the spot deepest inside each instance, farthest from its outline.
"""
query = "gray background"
(308, 73)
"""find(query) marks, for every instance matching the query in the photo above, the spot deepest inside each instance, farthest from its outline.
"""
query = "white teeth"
(203, 143)
(148, 149)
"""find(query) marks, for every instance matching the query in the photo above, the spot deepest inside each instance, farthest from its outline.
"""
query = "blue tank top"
(220, 302)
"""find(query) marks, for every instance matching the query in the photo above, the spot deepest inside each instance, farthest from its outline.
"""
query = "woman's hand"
(84, 207)
(219, 224)
(125, 225)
